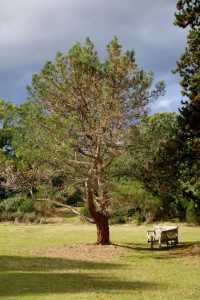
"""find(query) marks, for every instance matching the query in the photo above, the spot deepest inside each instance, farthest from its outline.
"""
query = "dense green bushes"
(134, 201)
(133, 204)
(17, 208)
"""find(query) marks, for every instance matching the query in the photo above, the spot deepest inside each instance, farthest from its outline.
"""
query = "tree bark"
(103, 234)
(100, 219)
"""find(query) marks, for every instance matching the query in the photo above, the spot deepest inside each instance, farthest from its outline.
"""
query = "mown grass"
(138, 273)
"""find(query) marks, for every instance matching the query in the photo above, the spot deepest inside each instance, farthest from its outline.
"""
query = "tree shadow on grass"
(21, 276)
(19, 284)
(146, 247)
(45, 264)
(165, 252)
(141, 247)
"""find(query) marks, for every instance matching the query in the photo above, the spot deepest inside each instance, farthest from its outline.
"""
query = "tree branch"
(72, 209)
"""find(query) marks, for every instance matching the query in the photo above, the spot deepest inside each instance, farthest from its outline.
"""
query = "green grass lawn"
(50, 262)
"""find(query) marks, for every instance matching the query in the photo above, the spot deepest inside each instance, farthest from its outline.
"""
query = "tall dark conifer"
(188, 67)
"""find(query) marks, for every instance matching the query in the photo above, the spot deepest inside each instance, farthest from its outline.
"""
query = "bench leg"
(151, 242)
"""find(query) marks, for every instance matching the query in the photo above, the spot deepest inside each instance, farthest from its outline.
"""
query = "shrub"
(118, 217)
(139, 218)
(15, 208)
(10, 205)
(139, 202)
(191, 214)
(44, 208)
(85, 212)
(26, 205)
(75, 198)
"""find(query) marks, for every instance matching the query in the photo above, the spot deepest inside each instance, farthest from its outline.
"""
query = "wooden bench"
(163, 235)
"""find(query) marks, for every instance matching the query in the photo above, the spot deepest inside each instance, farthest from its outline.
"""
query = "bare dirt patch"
(84, 252)
(188, 250)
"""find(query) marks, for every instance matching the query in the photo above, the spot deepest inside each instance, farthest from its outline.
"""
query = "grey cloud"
(32, 31)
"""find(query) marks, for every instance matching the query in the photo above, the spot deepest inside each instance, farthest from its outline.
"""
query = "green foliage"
(86, 122)
(44, 208)
(188, 66)
(93, 102)
(14, 204)
(26, 205)
(7, 110)
(18, 207)
(188, 137)
(118, 217)
(75, 198)
(132, 194)
(152, 158)
(85, 212)
(191, 214)
(188, 12)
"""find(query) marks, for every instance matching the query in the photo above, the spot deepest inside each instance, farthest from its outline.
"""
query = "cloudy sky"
(32, 31)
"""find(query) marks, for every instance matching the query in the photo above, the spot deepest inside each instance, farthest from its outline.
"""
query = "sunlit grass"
(26, 272)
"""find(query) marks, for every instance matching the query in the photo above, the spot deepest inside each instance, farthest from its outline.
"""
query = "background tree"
(188, 12)
(152, 160)
(6, 152)
(188, 67)
(29, 178)
(102, 99)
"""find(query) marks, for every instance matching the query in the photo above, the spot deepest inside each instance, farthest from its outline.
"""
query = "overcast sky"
(32, 31)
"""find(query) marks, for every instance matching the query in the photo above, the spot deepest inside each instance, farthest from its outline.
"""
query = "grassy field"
(54, 262)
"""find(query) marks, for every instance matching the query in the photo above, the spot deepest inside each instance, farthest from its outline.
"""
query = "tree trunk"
(103, 235)
(101, 220)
